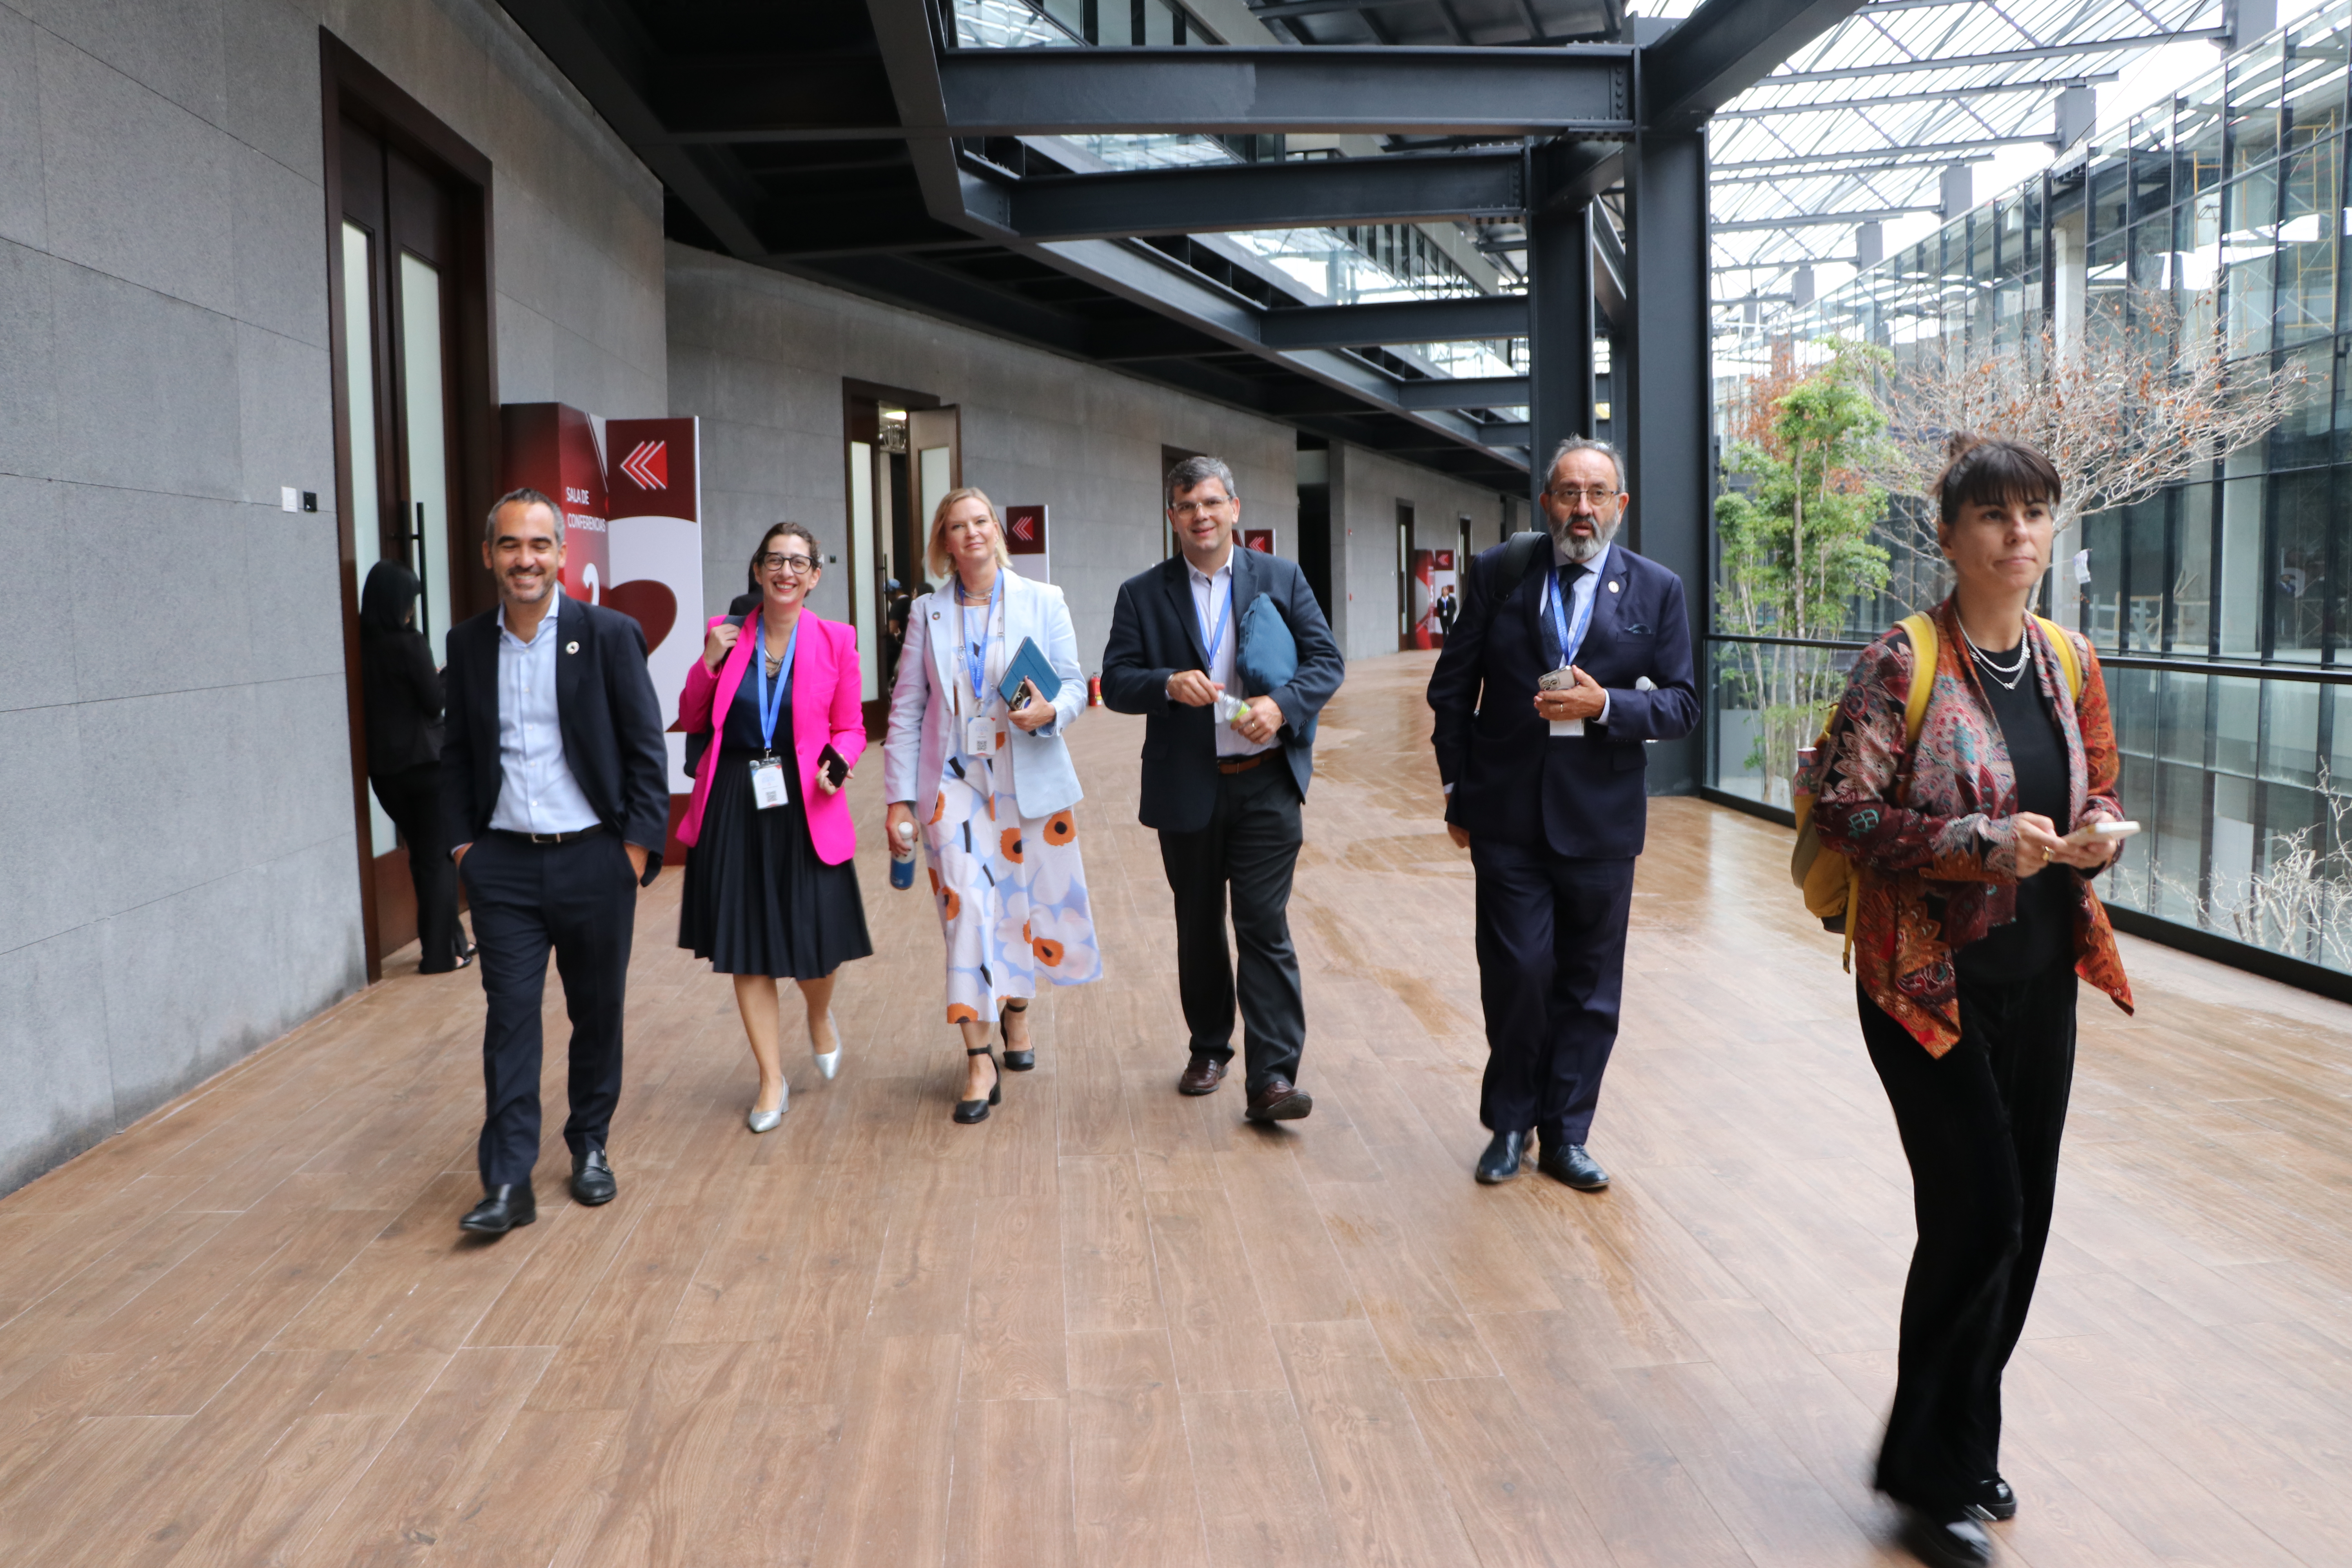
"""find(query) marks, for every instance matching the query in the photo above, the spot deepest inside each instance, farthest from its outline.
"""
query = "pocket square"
(1637, 630)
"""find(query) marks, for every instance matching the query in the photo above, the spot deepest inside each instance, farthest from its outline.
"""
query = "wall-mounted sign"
(1025, 540)
(1259, 538)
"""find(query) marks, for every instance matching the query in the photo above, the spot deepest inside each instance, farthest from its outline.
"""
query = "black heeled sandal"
(971, 1111)
(1015, 1061)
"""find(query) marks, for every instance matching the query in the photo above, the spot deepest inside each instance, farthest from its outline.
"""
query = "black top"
(742, 727)
(401, 688)
(2043, 933)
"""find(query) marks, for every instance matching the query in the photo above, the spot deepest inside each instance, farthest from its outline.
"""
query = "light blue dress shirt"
(1212, 593)
(537, 793)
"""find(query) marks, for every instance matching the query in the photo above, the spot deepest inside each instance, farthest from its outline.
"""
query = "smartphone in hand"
(2101, 832)
(835, 769)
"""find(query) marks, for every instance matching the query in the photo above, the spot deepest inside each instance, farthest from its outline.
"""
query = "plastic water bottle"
(1230, 709)
(902, 857)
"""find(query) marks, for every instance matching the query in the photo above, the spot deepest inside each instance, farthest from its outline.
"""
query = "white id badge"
(768, 784)
(979, 737)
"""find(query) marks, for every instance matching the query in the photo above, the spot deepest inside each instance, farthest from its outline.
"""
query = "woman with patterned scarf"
(1972, 923)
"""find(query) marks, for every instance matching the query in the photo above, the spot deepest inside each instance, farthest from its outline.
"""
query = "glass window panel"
(2304, 435)
(2151, 162)
(2307, 285)
(2315, 79)
(2108, 194)
(2143, 544)
(2339, 752)
(2198, 134)
(2249, 260)
(2243, 567)
(2298, 567)
(358, 392)
(2101, 599)
(2237, 711)
(2254, 107)
(2290, 751)
(2192, 578)
(425, 426)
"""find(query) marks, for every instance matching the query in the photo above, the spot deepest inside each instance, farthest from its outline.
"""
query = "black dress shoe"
(1568, 1162)
(1501, 1163)
(592, 1177)
(1958, 1542)
(1278, 1100)
(500, 1210)
(1994, 1500)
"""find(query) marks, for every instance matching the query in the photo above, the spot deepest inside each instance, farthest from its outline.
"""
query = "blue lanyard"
(1567, 648)
(975, 655)
(1212, 634)
(770, 706)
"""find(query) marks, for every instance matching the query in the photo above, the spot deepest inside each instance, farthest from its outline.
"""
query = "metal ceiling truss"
(860, 162)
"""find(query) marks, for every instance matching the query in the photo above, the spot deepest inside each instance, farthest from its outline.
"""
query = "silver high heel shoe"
(829, 1062)
(760, 1120)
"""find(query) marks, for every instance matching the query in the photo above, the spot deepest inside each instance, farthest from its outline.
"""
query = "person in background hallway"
(1225, 797)
(403, 740)
(994, 787)
(1974, 919)
(1448, 610)
(556, 795)
(772, 890)
(1544, 696)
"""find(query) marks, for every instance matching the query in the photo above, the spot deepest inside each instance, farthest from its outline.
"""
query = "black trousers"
(580, 898)
(412, 798)
(1981, 1125)
(1551, 969)
(1250, 844)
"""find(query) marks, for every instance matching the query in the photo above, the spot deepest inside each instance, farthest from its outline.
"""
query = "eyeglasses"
(1186, 511)
(798, 566)
(1599, 495)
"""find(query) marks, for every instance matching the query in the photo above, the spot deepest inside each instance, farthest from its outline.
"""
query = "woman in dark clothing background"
(402, 692)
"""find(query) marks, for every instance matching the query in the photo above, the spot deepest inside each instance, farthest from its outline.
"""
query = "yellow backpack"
(1828, 878)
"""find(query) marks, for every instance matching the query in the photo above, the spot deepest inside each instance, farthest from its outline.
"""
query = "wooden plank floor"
(1114, 1326)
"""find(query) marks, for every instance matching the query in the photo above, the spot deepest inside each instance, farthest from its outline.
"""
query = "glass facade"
(2222, 607)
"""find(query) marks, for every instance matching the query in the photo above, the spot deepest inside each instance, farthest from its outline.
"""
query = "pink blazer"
(825, 711)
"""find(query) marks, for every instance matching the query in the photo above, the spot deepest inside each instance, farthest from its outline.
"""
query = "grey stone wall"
(761, 357)
(175, 768)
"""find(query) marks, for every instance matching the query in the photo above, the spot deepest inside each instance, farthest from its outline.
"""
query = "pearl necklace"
(2006, 676)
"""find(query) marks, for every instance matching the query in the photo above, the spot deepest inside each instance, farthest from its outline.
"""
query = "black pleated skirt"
(758, 901)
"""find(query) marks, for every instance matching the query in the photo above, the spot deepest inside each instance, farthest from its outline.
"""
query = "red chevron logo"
(647, 465)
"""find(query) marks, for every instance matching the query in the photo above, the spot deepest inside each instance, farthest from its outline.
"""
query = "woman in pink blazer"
(772, 879)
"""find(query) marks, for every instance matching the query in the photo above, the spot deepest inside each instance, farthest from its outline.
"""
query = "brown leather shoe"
(1202, 1075)
(1279, 1100)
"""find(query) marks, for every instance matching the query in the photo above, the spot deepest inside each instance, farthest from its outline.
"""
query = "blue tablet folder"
(1028, 664)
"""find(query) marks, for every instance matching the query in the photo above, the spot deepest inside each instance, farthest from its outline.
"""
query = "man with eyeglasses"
(556, 793)
(1225, 777)
(1551, 683)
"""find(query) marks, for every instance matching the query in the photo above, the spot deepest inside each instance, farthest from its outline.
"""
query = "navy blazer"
(1511, 779)
(1155, 632)
(604, 701)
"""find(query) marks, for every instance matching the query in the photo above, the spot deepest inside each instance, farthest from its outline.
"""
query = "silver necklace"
(2006, 676)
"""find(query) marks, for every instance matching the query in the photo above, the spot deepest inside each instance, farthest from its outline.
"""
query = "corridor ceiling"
(1292, 228)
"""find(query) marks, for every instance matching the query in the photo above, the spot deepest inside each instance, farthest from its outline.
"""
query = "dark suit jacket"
(612, 726)
(1512, 779)
(402, 692)
(1155, 632)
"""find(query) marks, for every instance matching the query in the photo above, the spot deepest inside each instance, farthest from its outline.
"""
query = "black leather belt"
(588, 832)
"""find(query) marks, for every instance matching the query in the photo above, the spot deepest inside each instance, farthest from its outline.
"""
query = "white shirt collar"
(1210, 577)
(546, 622)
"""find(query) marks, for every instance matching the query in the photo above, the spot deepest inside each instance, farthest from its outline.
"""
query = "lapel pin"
(1613, 588)
(574, 647)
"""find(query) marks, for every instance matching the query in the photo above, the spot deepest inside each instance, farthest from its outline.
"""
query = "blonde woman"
(992, 788)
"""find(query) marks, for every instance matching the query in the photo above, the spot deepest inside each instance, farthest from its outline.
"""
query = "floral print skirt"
(1010, 891)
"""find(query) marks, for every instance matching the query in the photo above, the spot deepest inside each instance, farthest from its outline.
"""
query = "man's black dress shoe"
(1501, 1163)
(1955, 1542)
(1278, 1100)
(592, 1177)
(1994, 1500)
(1568, 1162)
(500, 1210)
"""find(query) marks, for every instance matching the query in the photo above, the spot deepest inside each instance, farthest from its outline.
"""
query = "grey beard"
(1583, 550)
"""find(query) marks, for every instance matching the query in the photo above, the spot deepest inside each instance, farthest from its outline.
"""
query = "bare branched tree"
(2142, 398)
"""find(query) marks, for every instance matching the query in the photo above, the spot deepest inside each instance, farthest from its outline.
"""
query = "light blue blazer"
(922, 717)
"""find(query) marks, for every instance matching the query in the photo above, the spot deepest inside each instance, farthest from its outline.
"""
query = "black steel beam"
(1722, 49)
(1407, 321)
(1664, 411)
(1567, 175)
(1464, 392)
(1584, 89)
(1210, 198)
(1559, 280)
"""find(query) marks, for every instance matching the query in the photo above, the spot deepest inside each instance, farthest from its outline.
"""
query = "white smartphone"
(2102, 832)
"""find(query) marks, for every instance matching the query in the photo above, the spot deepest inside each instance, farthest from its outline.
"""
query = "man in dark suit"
(556, 793)
(1544, 697)
(1225, 796)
